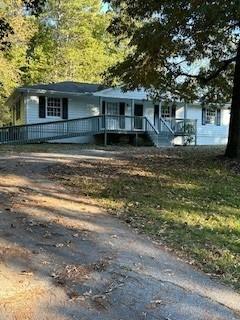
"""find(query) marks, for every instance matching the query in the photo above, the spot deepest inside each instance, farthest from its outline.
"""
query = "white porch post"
(160, 116)
(132, 114)
(185, 111)
(160, 109)
(133, 102)
(100, 106)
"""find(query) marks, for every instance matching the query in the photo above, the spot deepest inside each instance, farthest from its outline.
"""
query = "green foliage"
(13, 55)
(72, 43)
(54, 40)
(178, 48)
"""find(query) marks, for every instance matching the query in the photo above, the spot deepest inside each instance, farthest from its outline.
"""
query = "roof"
(117, 92)
(65, 86)
(79, 89)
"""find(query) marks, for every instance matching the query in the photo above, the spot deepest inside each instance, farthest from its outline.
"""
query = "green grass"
(187, 198)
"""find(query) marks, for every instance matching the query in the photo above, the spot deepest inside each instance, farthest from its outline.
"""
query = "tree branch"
(212, 76)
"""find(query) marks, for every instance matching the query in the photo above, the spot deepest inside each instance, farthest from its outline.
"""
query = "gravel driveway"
(62, 257)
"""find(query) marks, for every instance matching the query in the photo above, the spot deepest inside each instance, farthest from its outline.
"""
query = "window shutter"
(65, 108)
(103, 107)
(156, 114)
(122, 113)
(122, 109)
(218, 117)
(203, 116)
(173, 111)
(18, 109)
(42, 107)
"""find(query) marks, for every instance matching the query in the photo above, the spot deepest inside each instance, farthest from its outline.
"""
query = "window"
(112, 108)
(166, 112)
(54, 107)
(211, 116)
(18, 110)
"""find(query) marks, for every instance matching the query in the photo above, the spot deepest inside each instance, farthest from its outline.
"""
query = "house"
(83, 113)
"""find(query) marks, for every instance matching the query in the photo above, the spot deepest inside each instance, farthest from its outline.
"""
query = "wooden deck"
(104, 124)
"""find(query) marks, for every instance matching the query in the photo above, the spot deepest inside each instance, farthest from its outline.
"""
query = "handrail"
(48, 122)
(151, 125)
(55, 130)
(70, 120)
(179, 125)
(167, 125)
(159, 138)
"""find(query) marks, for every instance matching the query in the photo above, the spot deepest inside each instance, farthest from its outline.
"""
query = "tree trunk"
(233, 147)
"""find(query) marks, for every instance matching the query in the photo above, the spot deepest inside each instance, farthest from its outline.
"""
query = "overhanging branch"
(213, 75)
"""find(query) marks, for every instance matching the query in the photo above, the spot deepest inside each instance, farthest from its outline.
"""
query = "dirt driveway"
(63, 258)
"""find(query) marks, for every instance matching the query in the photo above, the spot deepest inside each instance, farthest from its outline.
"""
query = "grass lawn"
(187, 198)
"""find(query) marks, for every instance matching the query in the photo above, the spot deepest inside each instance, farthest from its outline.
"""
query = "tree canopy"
(182, 50)
(16, 30)
(53, 40)
(72, 43)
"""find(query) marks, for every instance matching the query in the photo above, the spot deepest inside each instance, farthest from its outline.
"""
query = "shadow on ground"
(63, 257)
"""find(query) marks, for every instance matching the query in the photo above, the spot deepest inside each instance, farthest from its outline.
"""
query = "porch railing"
(123, 123)
(182, 126)
(50, 130)
(163, 136)
(41, 132)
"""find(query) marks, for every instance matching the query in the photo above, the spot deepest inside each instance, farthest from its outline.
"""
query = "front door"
(168, 113)
(112, 118)
(138, 116)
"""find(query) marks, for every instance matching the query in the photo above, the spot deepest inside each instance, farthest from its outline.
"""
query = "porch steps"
(162, 138)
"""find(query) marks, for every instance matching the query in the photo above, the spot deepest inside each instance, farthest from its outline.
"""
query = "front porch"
(128, 116)
(162, 134)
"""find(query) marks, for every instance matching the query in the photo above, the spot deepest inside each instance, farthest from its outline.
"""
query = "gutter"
(42, 91)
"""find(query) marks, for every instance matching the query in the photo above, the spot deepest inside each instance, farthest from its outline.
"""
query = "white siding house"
(124, 112)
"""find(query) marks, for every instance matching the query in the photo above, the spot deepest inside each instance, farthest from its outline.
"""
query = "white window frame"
(55, 114)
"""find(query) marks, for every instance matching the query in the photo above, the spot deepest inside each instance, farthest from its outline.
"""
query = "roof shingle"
(67, 86)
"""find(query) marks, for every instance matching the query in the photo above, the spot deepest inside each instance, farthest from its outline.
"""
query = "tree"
(17, 27)
(72, 43)
(33, 7)
(16, 30)
(50, 41)
(183, 49)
